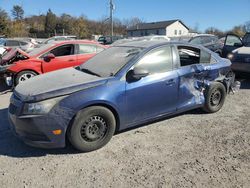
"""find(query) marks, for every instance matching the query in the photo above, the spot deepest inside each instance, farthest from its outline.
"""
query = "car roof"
(148, 44)
(76, 42)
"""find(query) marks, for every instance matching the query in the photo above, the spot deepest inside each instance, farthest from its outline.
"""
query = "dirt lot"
(189, 150)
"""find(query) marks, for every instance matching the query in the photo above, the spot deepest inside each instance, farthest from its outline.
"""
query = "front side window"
(157, 61)
(232, 40)
(64, 50)
(190, 55)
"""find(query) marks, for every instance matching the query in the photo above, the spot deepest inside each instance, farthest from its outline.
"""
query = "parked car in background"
(120, 88)
(238, 51)
(106, 40)
(59, 38)
(48, 58)
(145, 38)
(14, 43)
(211, 42)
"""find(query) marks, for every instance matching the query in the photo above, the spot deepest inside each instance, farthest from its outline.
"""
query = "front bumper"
(37, 130)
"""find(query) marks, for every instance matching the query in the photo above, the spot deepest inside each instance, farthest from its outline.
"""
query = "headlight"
(42, 107)
(230, 56)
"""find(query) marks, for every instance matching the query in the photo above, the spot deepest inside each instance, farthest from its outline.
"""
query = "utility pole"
(111, 17)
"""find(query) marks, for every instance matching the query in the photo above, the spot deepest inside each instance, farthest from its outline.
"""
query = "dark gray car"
(238, 51)
(211, 42)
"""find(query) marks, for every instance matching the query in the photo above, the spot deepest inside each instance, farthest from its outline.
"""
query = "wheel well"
(102, 105)
(117, 119)
(27, 70)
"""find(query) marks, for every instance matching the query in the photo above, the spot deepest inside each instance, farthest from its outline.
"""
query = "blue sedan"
(123, 86)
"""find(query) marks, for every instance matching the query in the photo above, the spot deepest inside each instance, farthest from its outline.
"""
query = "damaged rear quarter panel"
(195, 79)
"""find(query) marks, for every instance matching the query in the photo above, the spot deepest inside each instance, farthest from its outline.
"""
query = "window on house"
(180, 32)
(175, 32)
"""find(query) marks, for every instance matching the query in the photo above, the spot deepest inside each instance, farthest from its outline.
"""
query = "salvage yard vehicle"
(209, 41)
(238, 51)
(48, 58)
(119, 88)
(15, 43)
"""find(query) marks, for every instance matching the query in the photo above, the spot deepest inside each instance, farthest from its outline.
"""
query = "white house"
(171, 28)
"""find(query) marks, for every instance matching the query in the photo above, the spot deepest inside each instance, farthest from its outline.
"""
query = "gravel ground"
(189, 150)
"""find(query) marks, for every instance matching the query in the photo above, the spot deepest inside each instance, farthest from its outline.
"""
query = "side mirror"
(136, 74)
(48, 57)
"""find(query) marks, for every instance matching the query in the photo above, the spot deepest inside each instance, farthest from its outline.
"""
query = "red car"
(50, 57)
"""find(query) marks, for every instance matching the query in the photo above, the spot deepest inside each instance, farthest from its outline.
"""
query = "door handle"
(170, 82)
(71, 60)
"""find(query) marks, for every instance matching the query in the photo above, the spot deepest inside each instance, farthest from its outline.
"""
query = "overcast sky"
(223, 14)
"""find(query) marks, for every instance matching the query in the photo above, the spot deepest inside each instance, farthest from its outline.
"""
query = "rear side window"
(64, 50)
(86, 49)
(157, 61)
(190, 55)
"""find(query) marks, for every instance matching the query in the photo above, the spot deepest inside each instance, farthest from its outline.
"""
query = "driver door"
(232, 42)
(64, 57)
(155, 94)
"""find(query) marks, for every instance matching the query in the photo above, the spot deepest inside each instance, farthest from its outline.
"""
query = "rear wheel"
(93, 127)
(214, 97)
(24, 76)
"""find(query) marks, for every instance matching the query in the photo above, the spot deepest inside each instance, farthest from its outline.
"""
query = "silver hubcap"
(25, 77)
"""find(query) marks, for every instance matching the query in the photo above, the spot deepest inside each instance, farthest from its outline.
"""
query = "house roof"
(154, 25)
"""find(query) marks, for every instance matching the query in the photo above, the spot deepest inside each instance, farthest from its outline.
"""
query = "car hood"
(12, 54)
(57, 83)
(242, 50)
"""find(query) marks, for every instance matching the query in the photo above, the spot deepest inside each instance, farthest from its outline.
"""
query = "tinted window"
(246, 39)
(63, 50)
(157, 61)
(12, 43)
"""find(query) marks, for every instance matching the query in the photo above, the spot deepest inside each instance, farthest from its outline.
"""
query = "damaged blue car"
(123, 86)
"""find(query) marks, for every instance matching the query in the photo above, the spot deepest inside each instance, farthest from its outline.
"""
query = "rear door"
(232, 42)
(87, 51)
(64, 57)
(194, 64)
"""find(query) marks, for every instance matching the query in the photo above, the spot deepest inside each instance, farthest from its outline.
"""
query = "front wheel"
(214, 97)
(92, 128)
(24, 76)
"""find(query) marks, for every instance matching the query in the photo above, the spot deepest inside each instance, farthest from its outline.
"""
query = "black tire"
(21, 74)
(92, 128)
(215, 96)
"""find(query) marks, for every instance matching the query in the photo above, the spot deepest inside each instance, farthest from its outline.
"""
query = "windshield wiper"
(90, 72)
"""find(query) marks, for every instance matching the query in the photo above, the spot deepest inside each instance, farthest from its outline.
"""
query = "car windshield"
(37, 51)
(196, 40)
(110, 61)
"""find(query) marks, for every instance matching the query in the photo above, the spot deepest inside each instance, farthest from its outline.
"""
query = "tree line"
(49, 24)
